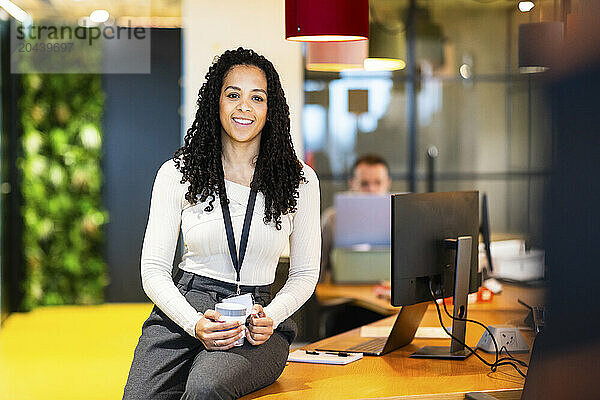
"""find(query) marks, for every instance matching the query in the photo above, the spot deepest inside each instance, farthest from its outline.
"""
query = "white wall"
(210, 27)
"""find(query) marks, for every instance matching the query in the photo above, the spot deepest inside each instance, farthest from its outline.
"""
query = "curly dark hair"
(278, 172)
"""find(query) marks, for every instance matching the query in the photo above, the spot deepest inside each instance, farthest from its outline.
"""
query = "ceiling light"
(526, 6)
(15, 11)
(99, 16)
(86, 22)
(336, 56)
(539, 44)
(384, 64)
(465, 71)
(326, 21)
(387, 49)
(533, 70)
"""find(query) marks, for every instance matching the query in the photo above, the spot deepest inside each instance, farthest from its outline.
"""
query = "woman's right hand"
(216, 335)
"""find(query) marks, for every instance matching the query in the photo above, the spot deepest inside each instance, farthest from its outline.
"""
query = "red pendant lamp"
(326, 20)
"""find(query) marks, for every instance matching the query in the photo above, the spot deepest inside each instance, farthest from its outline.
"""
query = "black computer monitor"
(433, 234)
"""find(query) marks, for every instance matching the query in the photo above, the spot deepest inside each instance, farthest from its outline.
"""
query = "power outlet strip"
(505, 335)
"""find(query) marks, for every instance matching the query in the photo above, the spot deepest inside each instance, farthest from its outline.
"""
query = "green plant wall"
(62, 209)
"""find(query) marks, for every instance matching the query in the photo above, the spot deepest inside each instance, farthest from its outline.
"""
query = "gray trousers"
(170, 364)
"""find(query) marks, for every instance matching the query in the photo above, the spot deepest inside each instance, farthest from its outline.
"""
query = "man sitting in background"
(370, 174)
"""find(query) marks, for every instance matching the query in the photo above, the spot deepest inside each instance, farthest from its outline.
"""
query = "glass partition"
(488, 122)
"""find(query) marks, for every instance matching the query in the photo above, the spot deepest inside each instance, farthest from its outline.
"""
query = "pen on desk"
(339, 354)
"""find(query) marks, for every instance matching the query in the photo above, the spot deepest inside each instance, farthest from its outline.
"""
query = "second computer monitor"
(421, 222)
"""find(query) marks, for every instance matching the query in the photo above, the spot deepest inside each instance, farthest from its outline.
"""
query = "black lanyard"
(237, 262)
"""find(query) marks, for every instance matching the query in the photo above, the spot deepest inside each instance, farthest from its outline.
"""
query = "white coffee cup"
(232, 312)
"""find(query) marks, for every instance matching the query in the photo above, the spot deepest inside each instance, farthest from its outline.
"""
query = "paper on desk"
(423, 332)
(323, 357)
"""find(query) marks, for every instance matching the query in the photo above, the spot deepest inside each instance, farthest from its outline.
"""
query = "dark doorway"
(142, 129)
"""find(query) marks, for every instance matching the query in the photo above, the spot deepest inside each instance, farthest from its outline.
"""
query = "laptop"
(362, 219)
(362, 251)
(402, 333)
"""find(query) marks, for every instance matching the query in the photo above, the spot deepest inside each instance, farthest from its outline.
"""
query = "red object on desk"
(483, 295)
(383, 290)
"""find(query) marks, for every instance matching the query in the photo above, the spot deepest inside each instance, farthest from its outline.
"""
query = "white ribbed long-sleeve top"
(206, 251)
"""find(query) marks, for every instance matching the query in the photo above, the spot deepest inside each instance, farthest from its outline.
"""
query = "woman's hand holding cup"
(260, 328)
(216, 335)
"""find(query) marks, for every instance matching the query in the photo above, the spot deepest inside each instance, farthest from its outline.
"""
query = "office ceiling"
(168, 12)
(394, 4)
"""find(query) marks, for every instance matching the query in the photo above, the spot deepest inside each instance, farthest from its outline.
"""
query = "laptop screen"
(362, 219)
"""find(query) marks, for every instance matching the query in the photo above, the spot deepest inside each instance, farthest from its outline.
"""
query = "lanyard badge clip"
(237, 261)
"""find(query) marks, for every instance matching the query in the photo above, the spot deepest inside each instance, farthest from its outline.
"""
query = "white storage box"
(511, 261)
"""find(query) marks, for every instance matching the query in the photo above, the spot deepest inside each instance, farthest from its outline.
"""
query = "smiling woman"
(238, 150)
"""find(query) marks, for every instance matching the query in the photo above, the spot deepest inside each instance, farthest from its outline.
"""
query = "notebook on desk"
(402, 333)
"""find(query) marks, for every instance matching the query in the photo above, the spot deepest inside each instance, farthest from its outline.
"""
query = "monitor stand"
(456, 351)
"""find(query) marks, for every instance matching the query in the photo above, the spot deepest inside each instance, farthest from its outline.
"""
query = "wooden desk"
(396, 375)
(359, 295)
(362, 296)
